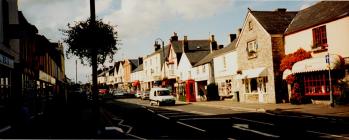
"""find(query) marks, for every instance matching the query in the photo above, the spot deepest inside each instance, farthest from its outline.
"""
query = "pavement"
(311, 109)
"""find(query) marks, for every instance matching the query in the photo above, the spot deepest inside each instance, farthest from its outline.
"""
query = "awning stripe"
(316, 64)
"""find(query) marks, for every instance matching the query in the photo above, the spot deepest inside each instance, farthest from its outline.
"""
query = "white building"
(225, 70)
(321, 29)
(193, 52)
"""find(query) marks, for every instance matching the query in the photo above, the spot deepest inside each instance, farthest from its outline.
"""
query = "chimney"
(185, 44)
(174, 37)
(281, 10)
(238, 32)
(213, 43)
(220, 46)
(140, 60)
(232, 37)
(157, 46)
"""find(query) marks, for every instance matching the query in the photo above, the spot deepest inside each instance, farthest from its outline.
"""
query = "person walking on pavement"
(202, 95)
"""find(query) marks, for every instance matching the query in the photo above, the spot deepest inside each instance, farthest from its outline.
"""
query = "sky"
(140, 22)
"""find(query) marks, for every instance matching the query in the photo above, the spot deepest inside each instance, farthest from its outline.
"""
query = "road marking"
(171, 113)
(136, 137)
(265, 123)
(201, 113)
(120, 123)
(202, 130)
(5, 129)
(163, 116)
(151, 110)
(204, 119)
(231, 139)
(183, 115)
(242, 127)
(114, 128)
(327, 134)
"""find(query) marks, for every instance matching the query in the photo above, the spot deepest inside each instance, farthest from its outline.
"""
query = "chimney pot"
(174, 37)
(212, 38)
(232, 37)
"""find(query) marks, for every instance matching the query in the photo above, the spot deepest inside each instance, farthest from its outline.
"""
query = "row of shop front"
(259, 85)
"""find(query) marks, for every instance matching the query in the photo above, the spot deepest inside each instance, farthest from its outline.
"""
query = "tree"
(83, 40)
(290, 59)
(92, 41)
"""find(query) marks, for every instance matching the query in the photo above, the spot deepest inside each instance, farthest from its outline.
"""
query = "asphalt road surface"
(139, 120)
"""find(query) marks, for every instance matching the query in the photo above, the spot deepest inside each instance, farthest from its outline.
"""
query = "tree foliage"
(290, 59)
(84, 39)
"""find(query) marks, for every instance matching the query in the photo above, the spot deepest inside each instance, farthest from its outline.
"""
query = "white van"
(160, 96)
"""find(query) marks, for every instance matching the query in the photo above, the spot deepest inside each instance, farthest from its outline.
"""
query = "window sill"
(319, 50)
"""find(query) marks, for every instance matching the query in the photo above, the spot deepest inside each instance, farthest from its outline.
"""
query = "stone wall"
(264, 56)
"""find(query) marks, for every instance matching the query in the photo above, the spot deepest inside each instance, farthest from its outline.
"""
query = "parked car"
(161, 96)
(145, 95)
(102, 91)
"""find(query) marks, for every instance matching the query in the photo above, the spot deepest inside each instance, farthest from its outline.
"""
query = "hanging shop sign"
(6, 61)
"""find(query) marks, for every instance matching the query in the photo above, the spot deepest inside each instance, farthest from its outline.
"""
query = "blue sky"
(140, 22)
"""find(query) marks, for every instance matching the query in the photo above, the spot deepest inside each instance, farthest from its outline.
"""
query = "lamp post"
(163, 52)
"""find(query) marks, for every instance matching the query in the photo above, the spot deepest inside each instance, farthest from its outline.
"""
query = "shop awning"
(286, 73)
(316, 64)
(253, 73)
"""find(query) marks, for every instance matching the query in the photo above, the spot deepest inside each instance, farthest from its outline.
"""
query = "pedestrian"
(202, 95)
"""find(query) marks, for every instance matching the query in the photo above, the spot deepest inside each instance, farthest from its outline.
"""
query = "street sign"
(327, 59)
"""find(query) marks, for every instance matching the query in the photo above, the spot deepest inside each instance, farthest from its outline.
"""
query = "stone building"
(260, 48)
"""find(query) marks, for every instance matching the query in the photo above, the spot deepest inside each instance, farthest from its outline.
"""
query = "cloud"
(136, 19)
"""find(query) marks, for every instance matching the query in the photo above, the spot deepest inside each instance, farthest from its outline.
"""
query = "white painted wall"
(231, 64)
(337, 38)
(185, 68)
(201, 73)
(152, 63)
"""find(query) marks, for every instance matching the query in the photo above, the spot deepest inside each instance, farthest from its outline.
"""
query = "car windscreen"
(163, 93)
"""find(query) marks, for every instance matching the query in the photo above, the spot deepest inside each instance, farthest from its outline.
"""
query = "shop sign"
(6, 61)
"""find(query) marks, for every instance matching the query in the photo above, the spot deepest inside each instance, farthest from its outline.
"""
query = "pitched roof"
(161, 54)
(194, 45)
(231, 46)
(116, 65)
(274, 22)
(321, 12)
(139, 68)
(134, 63)
(196, 56)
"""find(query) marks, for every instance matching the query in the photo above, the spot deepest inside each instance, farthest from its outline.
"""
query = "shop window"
(318, 84)
(252, 49)
(319, 38)
(253, 83)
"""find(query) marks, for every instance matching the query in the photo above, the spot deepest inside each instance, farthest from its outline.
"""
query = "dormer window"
(252, 49)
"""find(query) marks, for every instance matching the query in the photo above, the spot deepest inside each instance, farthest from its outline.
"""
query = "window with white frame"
(203, 68)
(252, 49)
(197, 70)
